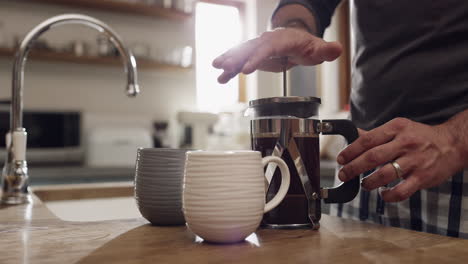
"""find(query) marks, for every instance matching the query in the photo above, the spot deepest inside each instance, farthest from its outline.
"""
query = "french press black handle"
(346, 191)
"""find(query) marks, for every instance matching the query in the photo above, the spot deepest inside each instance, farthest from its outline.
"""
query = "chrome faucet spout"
(15, 177)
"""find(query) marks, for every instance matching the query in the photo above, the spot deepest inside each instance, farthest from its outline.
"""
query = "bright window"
(217, 28)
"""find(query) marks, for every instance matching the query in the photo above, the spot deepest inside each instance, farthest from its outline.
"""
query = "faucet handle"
(18, 142)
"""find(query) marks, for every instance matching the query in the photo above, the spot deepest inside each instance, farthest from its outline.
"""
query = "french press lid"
(295, 106)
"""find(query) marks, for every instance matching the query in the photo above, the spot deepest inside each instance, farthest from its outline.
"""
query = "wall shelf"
(135, 8)
(54, 56)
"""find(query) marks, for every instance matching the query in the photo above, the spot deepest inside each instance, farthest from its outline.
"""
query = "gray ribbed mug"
(159, 175)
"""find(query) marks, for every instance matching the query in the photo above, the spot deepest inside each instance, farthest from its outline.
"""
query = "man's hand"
(427, 155)
(265, 53)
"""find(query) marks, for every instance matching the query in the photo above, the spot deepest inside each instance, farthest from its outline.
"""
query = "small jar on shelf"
(3, 40)
(161, 3)
(185, 6)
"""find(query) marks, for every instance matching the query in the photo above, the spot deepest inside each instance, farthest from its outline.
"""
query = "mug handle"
(285, 180)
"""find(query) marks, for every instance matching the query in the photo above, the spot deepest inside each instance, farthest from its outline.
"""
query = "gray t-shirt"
(411, 58)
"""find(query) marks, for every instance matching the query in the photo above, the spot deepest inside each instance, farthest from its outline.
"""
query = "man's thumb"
(330, 51)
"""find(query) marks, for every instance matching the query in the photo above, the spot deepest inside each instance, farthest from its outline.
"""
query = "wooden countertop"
(32, 234)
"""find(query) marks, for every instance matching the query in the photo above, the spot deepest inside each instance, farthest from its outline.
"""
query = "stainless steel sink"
(89, 202)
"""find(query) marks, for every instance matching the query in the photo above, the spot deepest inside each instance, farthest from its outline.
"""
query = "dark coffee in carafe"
(294, 208)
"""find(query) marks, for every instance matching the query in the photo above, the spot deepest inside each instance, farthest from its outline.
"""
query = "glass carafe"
(288, 127)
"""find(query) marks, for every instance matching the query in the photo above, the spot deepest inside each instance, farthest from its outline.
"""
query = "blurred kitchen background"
(81, 126)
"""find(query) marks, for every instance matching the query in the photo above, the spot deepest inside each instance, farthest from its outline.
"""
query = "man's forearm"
(457, 127)
(312, 15)
(294, 15)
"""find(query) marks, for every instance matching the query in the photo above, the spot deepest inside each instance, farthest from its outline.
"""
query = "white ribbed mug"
(223, 197)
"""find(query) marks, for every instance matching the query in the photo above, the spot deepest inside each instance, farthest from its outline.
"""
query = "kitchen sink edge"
(89, 202)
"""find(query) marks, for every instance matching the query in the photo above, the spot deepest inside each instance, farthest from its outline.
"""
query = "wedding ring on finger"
(398, 170)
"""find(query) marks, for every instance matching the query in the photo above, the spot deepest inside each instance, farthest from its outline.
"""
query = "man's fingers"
(401, 191)
(231, 65)
(257, 58)
(378, 178)
(388, 174)
(368, 140)
(236, 57)
(370, 159)
(226, 76)
(361, 132)
(218, 62)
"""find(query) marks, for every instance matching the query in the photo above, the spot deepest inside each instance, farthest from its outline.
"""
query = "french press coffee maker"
(288, 127)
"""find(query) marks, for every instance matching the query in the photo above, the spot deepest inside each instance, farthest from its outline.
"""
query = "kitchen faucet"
(15, 172)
